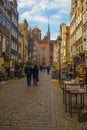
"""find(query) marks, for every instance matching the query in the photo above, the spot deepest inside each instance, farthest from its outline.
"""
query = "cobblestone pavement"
(35, 108)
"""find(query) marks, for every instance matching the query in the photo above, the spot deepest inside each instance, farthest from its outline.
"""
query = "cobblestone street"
(35, 108)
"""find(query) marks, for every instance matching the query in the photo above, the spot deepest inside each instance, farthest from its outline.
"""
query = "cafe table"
(72, 104)
(67, 86)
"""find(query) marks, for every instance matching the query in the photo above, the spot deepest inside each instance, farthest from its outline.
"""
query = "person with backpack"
(28, 72)
(35, 73)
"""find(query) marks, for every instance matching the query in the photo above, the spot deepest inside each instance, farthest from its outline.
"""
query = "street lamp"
(59, 40)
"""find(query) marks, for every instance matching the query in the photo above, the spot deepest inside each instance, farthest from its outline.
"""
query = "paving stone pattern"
(35, 108)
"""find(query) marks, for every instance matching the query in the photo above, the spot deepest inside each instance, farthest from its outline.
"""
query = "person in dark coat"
(35, 73)
(48, 70)
(28, 72)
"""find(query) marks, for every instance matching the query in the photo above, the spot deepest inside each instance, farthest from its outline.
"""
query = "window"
(4, 44)
(8, 25)
(16, 47)
(43, 52)
(7, 42)
(12, 31)
(43, 55)
(5, 4)
(1, 16)
(4, 21)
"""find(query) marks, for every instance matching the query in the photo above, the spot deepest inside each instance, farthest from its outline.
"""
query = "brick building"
(39, 49)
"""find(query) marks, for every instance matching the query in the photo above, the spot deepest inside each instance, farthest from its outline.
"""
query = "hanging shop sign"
(77, 60)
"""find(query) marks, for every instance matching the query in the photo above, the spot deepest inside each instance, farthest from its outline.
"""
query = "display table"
(71, 89)
(73, 102)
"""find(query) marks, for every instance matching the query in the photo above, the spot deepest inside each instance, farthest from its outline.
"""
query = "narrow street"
(35, 108)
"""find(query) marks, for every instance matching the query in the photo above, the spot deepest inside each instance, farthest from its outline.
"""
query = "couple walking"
(29, 71)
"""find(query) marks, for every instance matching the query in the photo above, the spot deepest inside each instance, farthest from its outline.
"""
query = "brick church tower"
(39, 49)
(44, 49)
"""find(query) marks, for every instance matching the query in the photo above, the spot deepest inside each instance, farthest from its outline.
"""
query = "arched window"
(1, 17)
(43, 52)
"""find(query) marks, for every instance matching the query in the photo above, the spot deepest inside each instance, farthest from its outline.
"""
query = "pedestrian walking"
(35, 73)
(48, 70)
(28, 72)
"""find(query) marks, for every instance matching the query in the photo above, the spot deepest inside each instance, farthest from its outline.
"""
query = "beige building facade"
(65, 45)
(23, 27)
(4, 33)
(78, 25)
(55, 55)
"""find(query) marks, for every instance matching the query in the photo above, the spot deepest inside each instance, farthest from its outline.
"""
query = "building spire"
(48, 32)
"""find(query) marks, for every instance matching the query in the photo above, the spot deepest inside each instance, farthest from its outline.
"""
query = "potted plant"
(77, 74)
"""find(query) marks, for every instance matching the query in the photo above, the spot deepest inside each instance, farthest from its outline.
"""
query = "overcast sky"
(40, 12)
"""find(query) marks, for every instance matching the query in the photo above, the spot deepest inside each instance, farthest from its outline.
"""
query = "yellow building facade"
(78, 24)
(65, 45)
(55, 55)
(23, 27)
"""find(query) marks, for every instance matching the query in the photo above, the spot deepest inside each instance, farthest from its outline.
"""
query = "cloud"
(34, 18)
(25, 3)
(45, 4)
(42, 11)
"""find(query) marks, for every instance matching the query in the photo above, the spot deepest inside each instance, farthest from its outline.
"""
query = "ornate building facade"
(78, 24)
(14, 32)
(65, 45)
(4, 32)
(23, 27)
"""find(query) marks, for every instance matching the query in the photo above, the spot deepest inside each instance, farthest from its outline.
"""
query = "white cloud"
(45, 4)
(39, 11)
(26, 3)
(34, 18)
